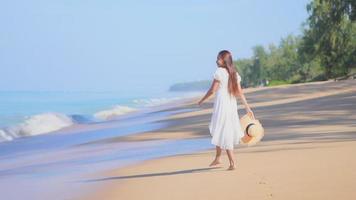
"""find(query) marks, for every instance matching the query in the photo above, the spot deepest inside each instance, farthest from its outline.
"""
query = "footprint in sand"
(267, 187)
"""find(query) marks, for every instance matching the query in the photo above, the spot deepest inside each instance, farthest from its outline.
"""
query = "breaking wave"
(113, 112)
(36, 125)
(51, 121)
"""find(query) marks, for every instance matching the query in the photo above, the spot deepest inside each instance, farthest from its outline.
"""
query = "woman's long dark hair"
(229, 66)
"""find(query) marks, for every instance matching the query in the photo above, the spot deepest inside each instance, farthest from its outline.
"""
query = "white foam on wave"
(5, 136)
(44, 123)
(36, 125)
(155, 101)
(165, 100)
(113, 112)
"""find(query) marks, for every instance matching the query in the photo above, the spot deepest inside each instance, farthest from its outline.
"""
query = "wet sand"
(308, 151)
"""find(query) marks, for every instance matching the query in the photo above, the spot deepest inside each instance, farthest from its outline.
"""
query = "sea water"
(28, 113)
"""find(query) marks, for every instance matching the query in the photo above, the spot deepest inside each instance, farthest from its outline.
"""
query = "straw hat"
(253, 130)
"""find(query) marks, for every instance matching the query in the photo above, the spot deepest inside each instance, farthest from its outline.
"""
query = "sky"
(114, 45)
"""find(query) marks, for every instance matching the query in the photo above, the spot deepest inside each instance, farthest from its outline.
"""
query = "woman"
(224, 126)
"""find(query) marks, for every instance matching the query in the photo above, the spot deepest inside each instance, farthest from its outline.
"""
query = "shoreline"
(169, 176)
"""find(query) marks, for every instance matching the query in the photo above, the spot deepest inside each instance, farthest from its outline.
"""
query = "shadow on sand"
(197, 170)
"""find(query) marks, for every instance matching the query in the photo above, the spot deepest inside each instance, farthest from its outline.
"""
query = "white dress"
(224, 126)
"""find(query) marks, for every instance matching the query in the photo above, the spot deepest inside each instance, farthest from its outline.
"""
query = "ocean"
(28, 113)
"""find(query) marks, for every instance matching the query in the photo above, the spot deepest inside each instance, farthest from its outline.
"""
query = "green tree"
(330, 35)
(244, 68)
(259, 64)
(285, 59)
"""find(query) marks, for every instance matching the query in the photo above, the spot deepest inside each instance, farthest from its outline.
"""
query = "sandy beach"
(308, 151)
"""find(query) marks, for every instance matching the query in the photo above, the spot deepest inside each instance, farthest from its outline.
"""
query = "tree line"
(325, 49)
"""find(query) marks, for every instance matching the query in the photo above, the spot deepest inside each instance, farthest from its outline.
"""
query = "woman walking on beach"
(224, 126)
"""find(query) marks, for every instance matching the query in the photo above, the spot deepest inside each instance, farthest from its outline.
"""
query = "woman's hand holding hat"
(250, 113)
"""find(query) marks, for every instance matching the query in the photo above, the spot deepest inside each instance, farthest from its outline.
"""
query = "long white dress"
(225, 127)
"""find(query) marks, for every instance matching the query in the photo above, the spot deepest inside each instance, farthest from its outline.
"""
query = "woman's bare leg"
(230, 154)
(217, 157)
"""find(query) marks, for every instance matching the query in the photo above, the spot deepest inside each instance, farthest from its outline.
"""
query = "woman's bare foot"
(231, 167)
(215, 162)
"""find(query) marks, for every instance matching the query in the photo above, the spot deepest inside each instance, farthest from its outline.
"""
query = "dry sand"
(308, 151)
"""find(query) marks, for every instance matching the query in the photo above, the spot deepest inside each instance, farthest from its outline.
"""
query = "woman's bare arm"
(214, 86)
(244, 101)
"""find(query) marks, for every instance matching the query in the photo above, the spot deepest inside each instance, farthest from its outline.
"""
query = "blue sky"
(132, 45)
